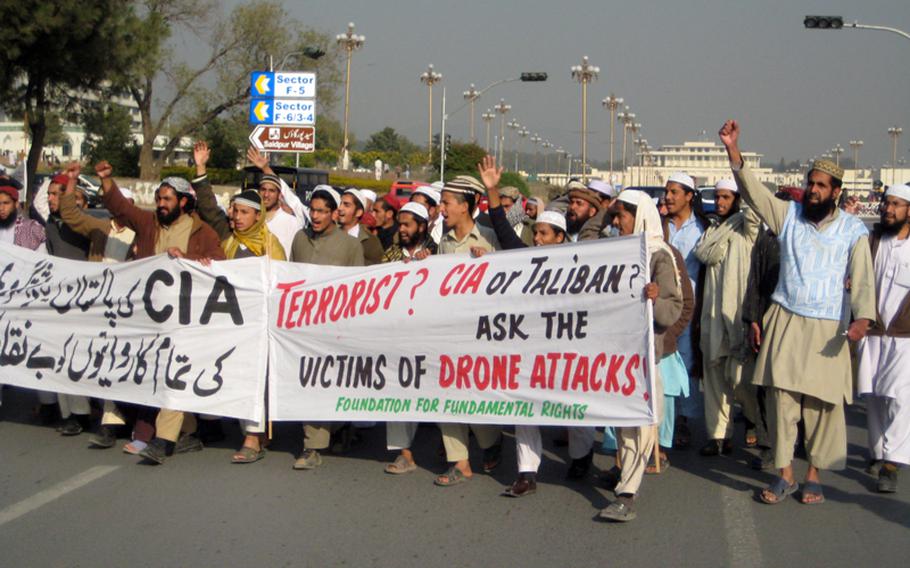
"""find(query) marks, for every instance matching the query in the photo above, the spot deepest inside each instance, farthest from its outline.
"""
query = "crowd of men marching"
(764, 308)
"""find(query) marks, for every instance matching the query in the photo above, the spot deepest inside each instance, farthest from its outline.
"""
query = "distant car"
(655, 191)
(708, 198)
(402, 190)
(301, 180)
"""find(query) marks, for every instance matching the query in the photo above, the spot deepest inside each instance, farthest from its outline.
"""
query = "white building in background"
(13, 138)
(894, 176)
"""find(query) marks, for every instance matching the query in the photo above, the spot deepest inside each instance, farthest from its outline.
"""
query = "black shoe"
(70, 427)
(887, 478)
(104, 438)
(156, 451)
(579, 467)
(717, 447)
(188, 443)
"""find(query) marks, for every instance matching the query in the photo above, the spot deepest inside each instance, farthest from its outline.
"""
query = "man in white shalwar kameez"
(884, 368)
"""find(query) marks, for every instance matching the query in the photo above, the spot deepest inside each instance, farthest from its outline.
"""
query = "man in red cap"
(15, 229)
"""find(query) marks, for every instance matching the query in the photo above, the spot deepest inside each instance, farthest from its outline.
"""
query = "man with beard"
(16, 230)
(584, 204)
(384, 212)
(414, 240)
(804, 359)
(725, 249)
(350, 212)
(633, 212)
(176, 229)
(324, 243)
(273, 189)
(429, 197)
(884, 355)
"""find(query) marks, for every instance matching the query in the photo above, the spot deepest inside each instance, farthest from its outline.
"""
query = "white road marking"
(44, 497)
(743, 549)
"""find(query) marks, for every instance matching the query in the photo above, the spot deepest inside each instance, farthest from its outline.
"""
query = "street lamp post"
(856, 145)
(536, 140)
(837, 151)
(350, 42)
(471, 95)
(429, 78)
(559, 155)
(895, 133)
(522, 134)
(584, 74)
(612, 103)
(515, 126)
(627, 119)
(502, 108)
(487, 119)
(546, 156)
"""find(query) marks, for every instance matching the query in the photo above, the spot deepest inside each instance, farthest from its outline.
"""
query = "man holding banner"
(458, 202)
(323, 243)
(634, 212)
(174, 228)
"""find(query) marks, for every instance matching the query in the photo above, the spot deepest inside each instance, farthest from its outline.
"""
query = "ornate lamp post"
(584, 74)
(487, 119)
(502, 108)
(350, 42)
(612, 103)
(429, 78)
(471, 95)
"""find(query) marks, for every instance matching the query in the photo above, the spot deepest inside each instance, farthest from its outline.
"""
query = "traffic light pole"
(527, 77)
(881, 28)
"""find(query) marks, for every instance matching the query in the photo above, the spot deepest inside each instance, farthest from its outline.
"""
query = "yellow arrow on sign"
(262, 84)
(261, 110)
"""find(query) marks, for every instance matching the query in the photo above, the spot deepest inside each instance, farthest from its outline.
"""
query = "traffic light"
(313, 52)
(535, 76)
(448, 143)
(823, 22)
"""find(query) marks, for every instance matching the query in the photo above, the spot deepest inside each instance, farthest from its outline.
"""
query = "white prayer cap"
(329, 191)
(127, 193)
(602, 187)
(558, 220)
(632, 196)
(901, 191)
(416, 209)
(358, 195)
(431, 192)
(682, 179)
(438, 184)
(727, 184)
(369, 195)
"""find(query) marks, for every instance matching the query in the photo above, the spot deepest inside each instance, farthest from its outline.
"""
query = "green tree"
(109, 137)
(461, 159)
(235, 45)
(227, 140)
(53, 52)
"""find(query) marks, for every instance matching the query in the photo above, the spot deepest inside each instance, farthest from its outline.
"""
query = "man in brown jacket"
(174, 228)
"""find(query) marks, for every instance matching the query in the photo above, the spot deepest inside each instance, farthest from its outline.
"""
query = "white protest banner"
(553, 336)
(159, 331)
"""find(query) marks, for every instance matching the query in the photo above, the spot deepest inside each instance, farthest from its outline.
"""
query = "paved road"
(62, 504)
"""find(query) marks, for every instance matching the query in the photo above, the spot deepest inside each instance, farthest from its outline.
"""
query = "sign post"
(283, 110)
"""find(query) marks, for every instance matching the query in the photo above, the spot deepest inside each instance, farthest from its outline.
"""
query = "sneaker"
(309, 459)
(104, 438)
(887, 478)
(188, 443)
(619, 511)
(156, 451)
(580, 466)
(70, 427)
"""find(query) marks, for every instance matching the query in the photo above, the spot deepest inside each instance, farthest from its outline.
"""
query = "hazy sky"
(682, 65)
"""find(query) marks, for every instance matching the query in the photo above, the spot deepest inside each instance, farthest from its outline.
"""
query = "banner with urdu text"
(556, 335)
(160, 332)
